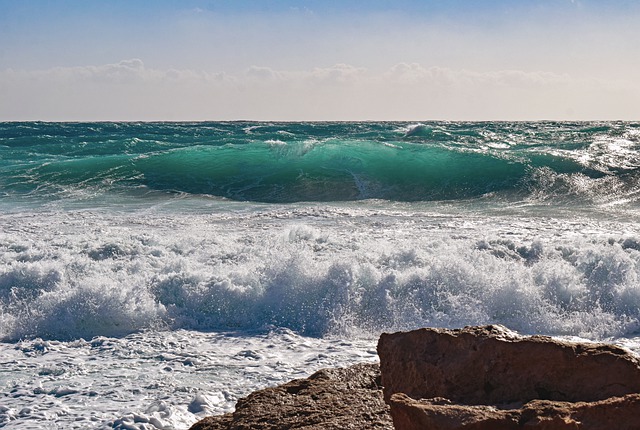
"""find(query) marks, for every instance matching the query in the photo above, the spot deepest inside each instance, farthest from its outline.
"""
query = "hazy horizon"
(405, 60)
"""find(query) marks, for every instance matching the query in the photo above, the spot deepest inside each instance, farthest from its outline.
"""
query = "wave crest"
(317, 282)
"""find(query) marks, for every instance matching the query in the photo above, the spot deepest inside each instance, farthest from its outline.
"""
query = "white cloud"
(131, 71)
(129, 90)
(264, 73)
(414, 73)
(339, 73)
(127, 71)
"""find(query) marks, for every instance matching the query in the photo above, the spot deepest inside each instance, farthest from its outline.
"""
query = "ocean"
(153, 273)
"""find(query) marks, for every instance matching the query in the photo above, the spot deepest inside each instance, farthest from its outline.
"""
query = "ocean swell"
(282, 163)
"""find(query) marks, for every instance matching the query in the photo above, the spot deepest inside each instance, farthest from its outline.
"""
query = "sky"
(191, 60)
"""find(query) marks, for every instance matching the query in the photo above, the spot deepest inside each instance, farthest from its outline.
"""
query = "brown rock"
(491, 365)
(441, 414)
(333, 399)
(620, 413)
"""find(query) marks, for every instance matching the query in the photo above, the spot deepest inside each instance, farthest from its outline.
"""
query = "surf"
(323, 162)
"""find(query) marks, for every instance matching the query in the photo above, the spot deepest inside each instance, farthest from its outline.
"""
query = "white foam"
(79, 275)
(416, 130)
(154, 380)
(275, 142)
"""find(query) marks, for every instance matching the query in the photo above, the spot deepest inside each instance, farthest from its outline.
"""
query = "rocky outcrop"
(491, 365)
(331, 399)
(491, 378)
(476, 378)
(619, 413)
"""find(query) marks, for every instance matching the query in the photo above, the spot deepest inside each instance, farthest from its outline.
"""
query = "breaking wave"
(315, 281)
(280, 163)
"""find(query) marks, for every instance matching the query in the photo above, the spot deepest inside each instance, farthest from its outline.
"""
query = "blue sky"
(404, 59)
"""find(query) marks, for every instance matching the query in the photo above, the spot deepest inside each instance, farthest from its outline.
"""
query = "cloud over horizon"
(128, 90)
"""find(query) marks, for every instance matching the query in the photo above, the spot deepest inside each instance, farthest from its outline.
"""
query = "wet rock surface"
(348, 398)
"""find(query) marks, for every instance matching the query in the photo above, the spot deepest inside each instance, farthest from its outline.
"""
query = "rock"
(441, 414)
(333, 399)
(620, 413)
(491, 365)
(476, 378)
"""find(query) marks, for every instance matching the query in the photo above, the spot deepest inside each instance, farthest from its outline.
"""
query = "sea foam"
(347, 273)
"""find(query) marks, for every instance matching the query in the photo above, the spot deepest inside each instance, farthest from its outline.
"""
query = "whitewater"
(153, 273)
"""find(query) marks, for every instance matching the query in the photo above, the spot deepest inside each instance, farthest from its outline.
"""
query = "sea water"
(153, 273)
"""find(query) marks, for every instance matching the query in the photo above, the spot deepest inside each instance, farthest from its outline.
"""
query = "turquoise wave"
(285, 162)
